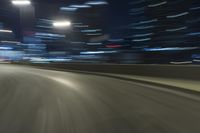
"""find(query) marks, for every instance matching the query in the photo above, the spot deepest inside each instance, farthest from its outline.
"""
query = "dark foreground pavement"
(44, 101)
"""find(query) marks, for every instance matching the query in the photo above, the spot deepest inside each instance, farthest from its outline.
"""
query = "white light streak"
(178, 15)
(71, 9)
(176, 29)
(195, 8)
(10, 42)
(148, 21)
(141, 40)
(6, 31)
(61, 24)
(98, 52)
(142, 35)
(80, 6)
(97, 3)
(21, 2)
(158, 4)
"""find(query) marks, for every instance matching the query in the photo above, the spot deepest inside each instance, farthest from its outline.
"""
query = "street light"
(26, 15)
(21, 2)
(61, 24)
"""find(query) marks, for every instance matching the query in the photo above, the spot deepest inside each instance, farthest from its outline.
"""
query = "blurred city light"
(158, 4)
(97, 3)
(6, 31)
(142, 31)
(12, 42)
(6, 48)
(98, 52)
(61, 24)
(171, 49)
(21, 2)
(68, 9)
(178, 15)
(80, 6)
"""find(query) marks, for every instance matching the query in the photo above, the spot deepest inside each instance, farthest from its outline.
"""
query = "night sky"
(117, 11)
(117, 8)
(115, 18)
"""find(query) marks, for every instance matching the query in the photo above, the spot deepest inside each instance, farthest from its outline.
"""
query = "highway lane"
(45, 101)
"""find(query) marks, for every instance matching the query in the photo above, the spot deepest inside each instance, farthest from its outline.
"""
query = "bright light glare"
(21, 2)
(97, 3)
(6, 31)
(61, 24)
(6, 48)
(80, 6)
(68, 9)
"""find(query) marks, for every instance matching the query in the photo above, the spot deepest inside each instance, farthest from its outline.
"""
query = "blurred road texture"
(45, 101)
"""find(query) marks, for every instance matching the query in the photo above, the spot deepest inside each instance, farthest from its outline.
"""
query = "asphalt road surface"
(44, 101)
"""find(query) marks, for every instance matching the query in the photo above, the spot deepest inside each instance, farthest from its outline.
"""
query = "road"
(45, 101)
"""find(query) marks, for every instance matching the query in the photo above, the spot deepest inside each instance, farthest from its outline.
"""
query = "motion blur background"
(98, 31)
